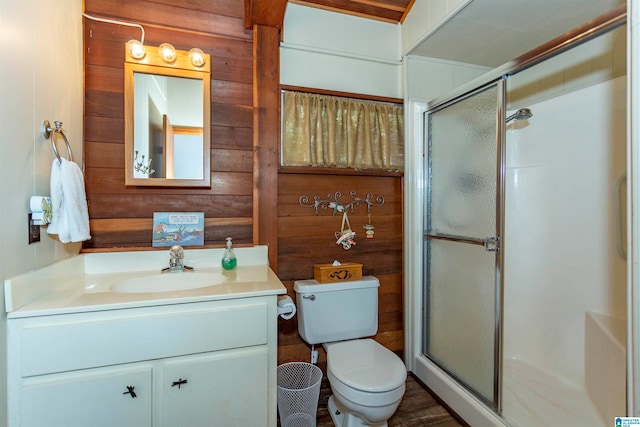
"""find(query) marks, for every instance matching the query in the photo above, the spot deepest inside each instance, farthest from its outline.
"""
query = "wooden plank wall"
(305, 239)
(122, 216)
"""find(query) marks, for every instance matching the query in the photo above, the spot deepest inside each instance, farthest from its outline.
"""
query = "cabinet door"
(96, 397)
(225, 388)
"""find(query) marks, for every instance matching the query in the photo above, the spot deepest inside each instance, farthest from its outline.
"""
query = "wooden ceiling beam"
(386, 11)
(398, 5)
(269, 13)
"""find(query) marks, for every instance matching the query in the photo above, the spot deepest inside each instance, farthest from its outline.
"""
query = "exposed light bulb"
(197, 57)
(136, 49)
(167, 52)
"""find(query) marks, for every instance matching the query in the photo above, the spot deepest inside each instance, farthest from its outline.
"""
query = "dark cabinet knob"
(178, 383)
(130, 391)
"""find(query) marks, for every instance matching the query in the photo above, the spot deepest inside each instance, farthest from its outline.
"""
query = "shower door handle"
(491, 244)
(618, 216)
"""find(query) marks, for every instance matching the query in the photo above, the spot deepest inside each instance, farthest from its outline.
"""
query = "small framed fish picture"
(178, 228)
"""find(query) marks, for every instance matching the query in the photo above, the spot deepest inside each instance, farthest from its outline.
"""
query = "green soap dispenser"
(229, 258)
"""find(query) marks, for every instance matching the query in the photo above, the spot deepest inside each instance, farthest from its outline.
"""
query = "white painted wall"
(333, 51)
(425, 17)
(431, 78)
(40, 78)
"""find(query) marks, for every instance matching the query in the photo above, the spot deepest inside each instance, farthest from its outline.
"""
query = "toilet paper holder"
(286, 307)
(41, 210)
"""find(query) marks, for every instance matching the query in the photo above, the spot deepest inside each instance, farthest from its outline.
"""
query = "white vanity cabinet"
(96, 397)
(225, 388)
(192, 364)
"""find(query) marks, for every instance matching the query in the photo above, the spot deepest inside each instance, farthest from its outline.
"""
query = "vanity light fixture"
(167, 53)
(197, 57)
(167, 56)
(136, 49)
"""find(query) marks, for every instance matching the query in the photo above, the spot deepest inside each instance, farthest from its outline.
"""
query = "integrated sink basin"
(168, 282)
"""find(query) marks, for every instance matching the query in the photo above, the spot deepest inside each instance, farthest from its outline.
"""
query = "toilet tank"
(337, 311)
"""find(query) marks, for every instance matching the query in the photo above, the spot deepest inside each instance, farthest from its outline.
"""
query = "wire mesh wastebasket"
(298, 392)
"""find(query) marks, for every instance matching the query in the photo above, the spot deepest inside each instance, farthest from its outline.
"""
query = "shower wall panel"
(560, 255)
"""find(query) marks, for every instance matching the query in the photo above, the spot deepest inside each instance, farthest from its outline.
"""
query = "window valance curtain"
(330, 131)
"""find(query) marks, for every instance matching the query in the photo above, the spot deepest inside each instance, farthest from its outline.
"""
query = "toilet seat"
(363, 398)
(366, 366)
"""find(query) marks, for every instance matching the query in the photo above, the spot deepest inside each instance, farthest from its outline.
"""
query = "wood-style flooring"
(418, 408)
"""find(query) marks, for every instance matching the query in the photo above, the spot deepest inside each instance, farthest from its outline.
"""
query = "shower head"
(521, 114)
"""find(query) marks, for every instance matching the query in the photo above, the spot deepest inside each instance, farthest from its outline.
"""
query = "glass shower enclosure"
(521, 274)
(462, 241)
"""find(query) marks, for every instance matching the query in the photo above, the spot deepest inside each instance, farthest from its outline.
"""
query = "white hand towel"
(55, 185)
(69, 201)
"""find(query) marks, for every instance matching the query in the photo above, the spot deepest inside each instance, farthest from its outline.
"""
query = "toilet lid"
(366, 365)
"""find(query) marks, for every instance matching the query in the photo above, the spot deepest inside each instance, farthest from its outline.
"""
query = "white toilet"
(367, 379)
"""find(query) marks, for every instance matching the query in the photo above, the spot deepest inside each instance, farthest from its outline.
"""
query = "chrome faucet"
(176, 255)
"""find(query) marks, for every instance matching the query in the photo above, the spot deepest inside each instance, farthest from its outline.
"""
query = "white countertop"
(83, 283)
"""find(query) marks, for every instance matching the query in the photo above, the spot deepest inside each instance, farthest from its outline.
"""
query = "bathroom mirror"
(167, 120)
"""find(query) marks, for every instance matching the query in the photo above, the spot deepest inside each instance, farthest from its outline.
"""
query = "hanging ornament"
(346, 237)
(369, 227)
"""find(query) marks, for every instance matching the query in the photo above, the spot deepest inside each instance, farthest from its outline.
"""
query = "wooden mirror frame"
(151, 63)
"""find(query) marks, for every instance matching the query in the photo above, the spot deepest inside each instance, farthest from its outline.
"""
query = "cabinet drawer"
(80, 341)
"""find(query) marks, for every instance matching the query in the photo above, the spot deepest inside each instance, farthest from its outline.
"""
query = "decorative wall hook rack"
(333, 202)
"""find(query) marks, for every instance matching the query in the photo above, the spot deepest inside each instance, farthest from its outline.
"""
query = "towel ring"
(46, 132)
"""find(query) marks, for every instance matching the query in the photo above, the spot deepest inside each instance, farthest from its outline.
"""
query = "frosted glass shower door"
(462, 242)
